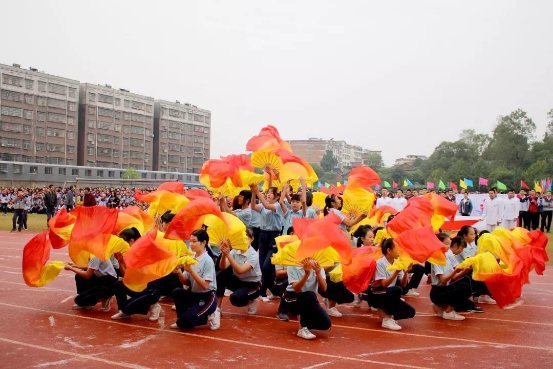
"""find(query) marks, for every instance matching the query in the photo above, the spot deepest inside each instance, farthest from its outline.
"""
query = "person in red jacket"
(89, 199)
(533, 210)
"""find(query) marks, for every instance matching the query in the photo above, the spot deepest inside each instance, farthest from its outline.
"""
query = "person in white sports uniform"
(493, 210)
(512, 209)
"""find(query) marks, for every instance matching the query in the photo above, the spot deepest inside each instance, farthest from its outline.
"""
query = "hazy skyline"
(399, 77)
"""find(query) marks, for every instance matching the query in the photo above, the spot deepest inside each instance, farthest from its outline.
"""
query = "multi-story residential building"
(183, 143)
(313, 150)
(38, 121)
(409, 160)
(116, 128)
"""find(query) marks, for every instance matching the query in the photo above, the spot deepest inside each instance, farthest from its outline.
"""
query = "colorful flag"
(483, 181)
(548, 185)
(441, 185)
(468, 182)
(463, 184)
(537, 187)
(404, 183)
(345, 182)
(327, 185)
(501, 186)
(453, 186)
(338, 184)
(386, 184)
(429, 185)
(523, 185)
(409, 183)
(377, 187)
(394, 184)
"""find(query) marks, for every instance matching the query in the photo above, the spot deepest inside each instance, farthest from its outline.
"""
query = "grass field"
(37, 223)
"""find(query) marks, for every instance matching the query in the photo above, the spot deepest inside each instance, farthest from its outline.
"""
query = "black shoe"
(13, 230)
(282, 316)
(476, 309)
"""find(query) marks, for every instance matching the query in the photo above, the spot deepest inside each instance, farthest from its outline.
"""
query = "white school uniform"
(493, 213)
(510, 217)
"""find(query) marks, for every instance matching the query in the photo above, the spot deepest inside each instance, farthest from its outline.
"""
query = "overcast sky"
(397, 76)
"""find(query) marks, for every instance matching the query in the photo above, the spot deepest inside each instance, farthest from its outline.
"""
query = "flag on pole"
(537, 187)
(543, 184)
(483, 181)
(548, 185)
(394, 184)
(524, 185)
(429, 185)
(404, 183)
(327, 185)
(319, 184)
(409, 183)
(386, 184)
(453, 186)
(501, 186)
(468, 182)
(441, 185)
(463, 184)
(345, 182)
(377, 187)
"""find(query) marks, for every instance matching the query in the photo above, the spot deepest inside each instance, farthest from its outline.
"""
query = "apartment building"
(39, 118)
(116, 128)
(183, 142)
(313, 150)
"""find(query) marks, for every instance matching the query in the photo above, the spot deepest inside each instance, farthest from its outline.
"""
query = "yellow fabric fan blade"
(262, 158)
(357, 200)
(336, 274)
(232, 229)
(319, 199)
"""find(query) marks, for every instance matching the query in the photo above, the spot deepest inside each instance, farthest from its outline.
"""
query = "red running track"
(40, 330)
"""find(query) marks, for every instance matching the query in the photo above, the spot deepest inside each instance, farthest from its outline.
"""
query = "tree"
(373, 160)
(130, 173)
(477, 141)
(318, 169)
(328, 162)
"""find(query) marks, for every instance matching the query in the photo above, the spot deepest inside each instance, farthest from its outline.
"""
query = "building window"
(71, 106)
(11, 127)
(91, 110)
(100, 173)
(91, 124)
(29, 99)
(71, 135)
(10, 142)
(47, 170)
(54, 147)
(12, 112)
(72, 92)
(144, 175)
(61, 171)
(41, 101)
(74, 172)
(70, 149)
(115, 153)
(55, 103)
(26, 145)
(41, 86)
(117, 102)
(41, 116)
(28, 130)
(91, 97)
(33, 169)
(57, 89)
(28, 114)
(105, 112)
(57, 118)
(12, 80)
(90, 151)
(71, 121)
(29, 84)
(126, 116)
(106, 99)
(111, 174)
(39, 146)
(12, 96)
(126, 141)
(148, 108)
(127, 104)
(40, 131)
(88, 172)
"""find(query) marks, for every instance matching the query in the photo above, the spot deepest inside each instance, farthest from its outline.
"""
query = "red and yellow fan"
(288, 256)
(267, 139)
(230, 228)
(191, 218)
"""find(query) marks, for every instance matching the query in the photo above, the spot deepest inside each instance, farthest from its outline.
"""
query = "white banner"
(477, 202)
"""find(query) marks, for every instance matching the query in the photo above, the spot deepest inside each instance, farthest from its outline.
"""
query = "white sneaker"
(77, 307)
(373, 308)
(214, 320)
(174, 326)
(106, 305)
(326, 303)
(391, 324)
(273, 297)
(334, 312)
(412, 293)
(265, 299)
(485, 299)
(156, 309)
(305, 334)
(174, 307)
(452, 315)
(228, 293)
(252, 307)
(438, 310)
(357, 303)
(120, 315)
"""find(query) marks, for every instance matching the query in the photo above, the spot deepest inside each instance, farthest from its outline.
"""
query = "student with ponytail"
(387, 287)
(333, 204)
(198, 304)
